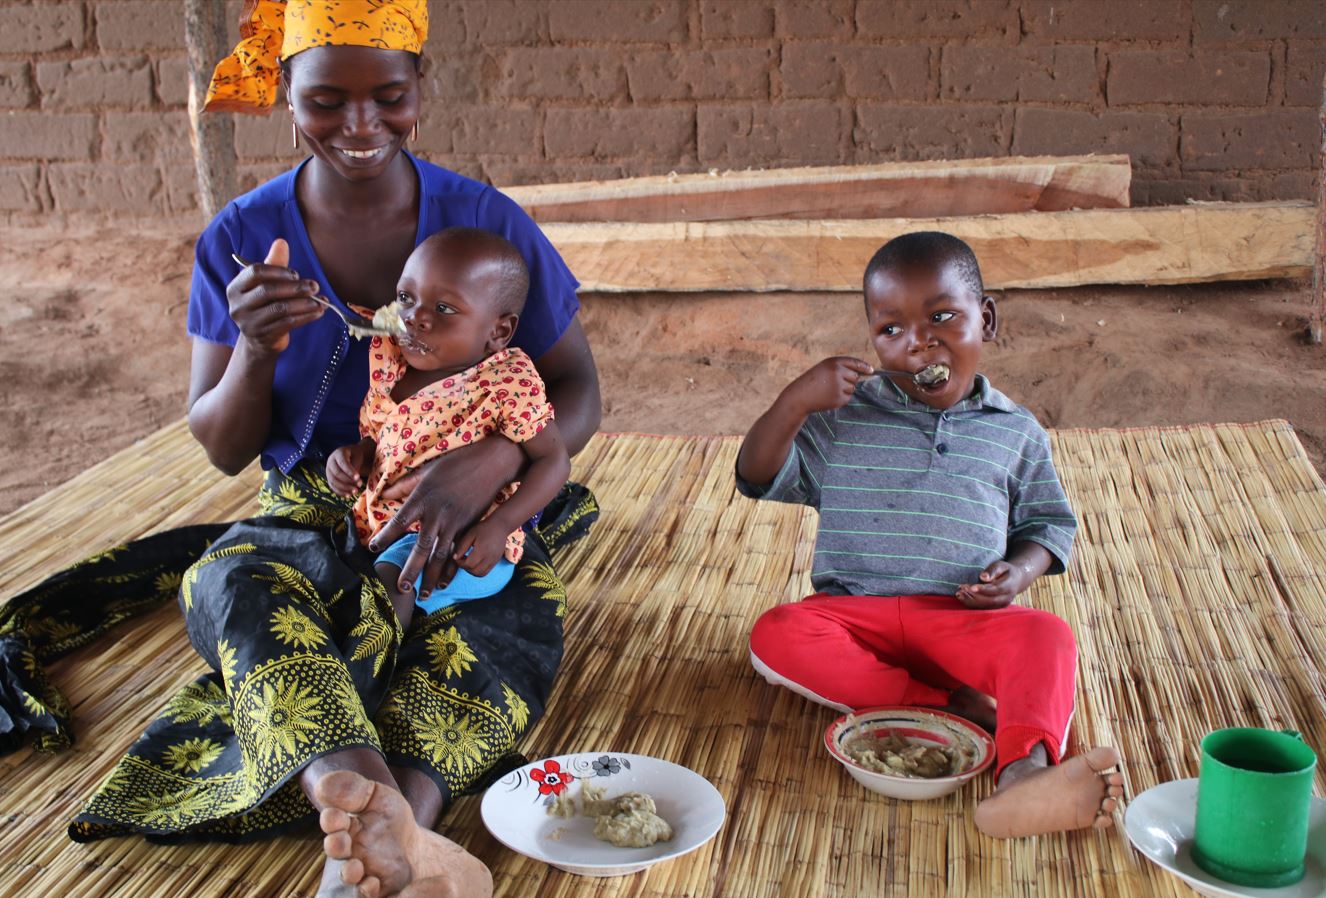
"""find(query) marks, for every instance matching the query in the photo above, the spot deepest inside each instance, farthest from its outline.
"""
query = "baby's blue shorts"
(464, 587)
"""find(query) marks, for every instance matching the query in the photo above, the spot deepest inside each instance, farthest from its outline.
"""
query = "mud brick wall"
(1213, 99)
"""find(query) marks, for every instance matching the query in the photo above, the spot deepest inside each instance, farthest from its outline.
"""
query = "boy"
(939, 504)
(448, 381)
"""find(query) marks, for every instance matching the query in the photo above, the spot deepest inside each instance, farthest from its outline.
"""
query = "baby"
(448, 381)
(939, 504)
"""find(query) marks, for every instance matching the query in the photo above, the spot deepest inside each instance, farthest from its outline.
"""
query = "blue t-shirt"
(322, 376)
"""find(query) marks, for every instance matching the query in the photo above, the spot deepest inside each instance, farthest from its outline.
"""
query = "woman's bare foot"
(969, 704)
(371, 828)
(1034, 799)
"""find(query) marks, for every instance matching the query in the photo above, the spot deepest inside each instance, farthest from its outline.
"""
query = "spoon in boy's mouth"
(386, 320)
(926, 377)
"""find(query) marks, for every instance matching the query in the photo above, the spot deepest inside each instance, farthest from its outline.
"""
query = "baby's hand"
(999, 585)
(828, 385)
(348, 466)
(480, 547)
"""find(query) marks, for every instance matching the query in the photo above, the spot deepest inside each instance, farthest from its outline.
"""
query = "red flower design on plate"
(551, 778)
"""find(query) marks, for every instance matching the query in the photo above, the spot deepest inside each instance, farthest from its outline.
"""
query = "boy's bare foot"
(1034, 799)
(969, 704)
(371, 828)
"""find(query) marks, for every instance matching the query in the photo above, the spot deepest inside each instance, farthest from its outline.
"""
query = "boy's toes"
(1102, 758)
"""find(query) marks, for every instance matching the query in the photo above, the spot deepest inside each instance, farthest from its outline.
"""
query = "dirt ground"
(93, 353)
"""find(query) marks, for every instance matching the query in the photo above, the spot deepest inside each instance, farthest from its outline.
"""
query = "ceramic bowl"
(515, 810)
(924, 725)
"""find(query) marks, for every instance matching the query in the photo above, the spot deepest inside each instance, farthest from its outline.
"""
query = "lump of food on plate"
(633, 822)
(898, 756)
(630, 820)
(926, 377)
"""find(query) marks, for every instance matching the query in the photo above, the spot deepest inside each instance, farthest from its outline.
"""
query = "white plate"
(1160, 824)
(515, 810)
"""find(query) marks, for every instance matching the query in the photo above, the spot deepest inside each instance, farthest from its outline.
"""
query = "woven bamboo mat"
(1198, 595)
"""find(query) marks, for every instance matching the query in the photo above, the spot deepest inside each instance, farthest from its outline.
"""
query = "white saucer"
(1160, 824)
(515, 810)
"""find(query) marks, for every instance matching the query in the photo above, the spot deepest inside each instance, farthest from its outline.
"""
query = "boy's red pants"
(852, 652)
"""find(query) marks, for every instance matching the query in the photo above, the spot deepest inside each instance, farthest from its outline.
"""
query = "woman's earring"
(414, 132)
(294, 129)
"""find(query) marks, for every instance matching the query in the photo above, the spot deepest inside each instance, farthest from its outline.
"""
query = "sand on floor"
(93, 352)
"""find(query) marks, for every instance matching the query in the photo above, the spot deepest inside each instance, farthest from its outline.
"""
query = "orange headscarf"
(273, 30)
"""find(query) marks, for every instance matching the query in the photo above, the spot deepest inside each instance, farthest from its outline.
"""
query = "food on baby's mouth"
(898, 756)
(630, 820)
(931, 375)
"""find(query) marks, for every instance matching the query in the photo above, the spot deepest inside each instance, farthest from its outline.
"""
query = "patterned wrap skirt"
(307, 658)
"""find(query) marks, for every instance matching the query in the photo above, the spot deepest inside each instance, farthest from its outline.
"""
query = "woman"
(316, 696)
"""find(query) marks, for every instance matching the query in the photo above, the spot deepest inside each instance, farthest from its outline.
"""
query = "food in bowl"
(972, 748)
(630, 820)
(899, 756)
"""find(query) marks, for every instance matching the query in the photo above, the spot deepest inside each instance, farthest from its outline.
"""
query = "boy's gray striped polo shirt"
(916, 501)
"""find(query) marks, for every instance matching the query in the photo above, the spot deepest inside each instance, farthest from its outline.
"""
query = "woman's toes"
(337, 845)
(352, 871)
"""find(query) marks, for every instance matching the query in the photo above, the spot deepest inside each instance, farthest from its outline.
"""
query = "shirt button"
(941, 448)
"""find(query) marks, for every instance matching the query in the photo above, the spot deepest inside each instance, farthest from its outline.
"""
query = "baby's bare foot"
(1076, 794)
(370, 828)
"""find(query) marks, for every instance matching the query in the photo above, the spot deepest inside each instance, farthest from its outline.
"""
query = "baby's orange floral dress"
(503, 394)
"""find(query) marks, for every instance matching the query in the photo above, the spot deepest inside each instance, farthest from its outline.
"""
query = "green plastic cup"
(1253, 796)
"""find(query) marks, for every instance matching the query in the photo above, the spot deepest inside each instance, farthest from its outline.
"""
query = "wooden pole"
(1317, 314)
(212, 136)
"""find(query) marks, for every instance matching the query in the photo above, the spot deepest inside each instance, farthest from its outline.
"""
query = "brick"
(255, 174)
(20, 188)
(146, 137)
(172, 81)
(1305, 67)
(258, 137)
(1105, 20)
(855, 70)
(16, 85)
(934, 132)
(180, 186)
(721, 19)
(489, 22)
(1225, 141)
(1065, 74)
(96, 82)
(905, 19)
(38, 135)
(736, 73)
(807, 19)
(454, 78)
(658, 21)
(488, 130)
(788, 134)
(135, 189)
(1222, 20)
(1149, 138)
(140, 25)
(41, 28)
(1174, 76)
(1247, 187)
(562, 73)
(666, 133)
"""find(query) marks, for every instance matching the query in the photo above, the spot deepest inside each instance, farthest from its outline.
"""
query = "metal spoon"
(926, 377)
(358, 327)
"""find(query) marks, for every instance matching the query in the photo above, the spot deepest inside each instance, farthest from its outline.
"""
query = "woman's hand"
(269, 300)
(446, 496)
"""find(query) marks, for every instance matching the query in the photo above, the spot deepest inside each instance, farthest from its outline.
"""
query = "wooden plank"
(891, 190)
(1156, 245)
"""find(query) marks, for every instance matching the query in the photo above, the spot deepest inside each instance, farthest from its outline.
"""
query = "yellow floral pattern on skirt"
(308, 658)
